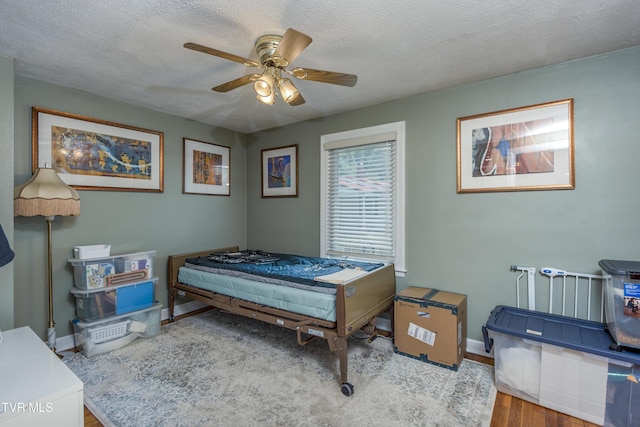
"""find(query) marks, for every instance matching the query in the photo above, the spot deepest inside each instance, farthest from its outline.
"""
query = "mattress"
(301, 301)
(281, 269)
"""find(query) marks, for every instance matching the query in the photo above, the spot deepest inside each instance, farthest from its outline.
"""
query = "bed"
(345, 305)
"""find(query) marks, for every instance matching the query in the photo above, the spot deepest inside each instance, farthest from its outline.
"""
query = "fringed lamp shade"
(45, 194)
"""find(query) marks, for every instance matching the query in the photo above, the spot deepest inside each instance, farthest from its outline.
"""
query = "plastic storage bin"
(94, 273)
(622, 301)
(106, 335)
(135, 262)
(564, 364)
(95, 304)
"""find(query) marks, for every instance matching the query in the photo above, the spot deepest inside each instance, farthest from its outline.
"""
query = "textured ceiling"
(132, 50)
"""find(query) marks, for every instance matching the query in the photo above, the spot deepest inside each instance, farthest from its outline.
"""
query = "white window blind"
(361, 200)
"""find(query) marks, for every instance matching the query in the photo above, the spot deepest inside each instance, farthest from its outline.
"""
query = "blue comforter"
(282, 269)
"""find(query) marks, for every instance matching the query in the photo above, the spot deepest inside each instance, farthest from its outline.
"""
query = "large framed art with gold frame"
(526, 148)
(93, 154)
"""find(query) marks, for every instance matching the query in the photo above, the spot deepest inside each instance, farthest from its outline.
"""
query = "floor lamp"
(45, 194)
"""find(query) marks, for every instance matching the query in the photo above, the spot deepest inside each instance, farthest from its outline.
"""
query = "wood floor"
(508, 411)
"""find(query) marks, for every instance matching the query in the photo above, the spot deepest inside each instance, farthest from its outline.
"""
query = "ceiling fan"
(275, 54)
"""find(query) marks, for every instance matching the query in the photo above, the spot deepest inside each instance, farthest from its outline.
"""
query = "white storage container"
(565, 380)
(564, 364)
(92, 251)
(107, 335)
(94, 273)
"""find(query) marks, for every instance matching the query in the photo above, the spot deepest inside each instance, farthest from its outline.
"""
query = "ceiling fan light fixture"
(264, 85)
(269, 99)
(288, 90)
(275, 53)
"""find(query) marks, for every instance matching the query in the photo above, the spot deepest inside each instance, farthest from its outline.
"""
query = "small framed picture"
(526, 148)
(280, 172)
(206, 168)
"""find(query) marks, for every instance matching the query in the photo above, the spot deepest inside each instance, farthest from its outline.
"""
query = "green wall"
(467, 242)
(457, 242)
(6, 186)
(168, 222)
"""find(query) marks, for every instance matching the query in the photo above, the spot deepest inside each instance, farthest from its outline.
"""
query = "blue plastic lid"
(577, 334)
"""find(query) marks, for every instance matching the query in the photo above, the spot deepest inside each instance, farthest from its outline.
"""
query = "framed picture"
(92, 154)
(206, 168)
(526, 148)
(280, 172)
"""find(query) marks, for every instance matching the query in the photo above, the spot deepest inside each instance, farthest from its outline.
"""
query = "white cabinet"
(36, 388)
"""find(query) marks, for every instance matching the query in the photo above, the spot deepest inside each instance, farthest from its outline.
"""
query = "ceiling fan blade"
(233, 84)
(298, 100)
(322, 76)
(221, 54)
(292, 44)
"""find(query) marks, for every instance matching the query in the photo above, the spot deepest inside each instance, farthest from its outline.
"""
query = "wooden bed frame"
(358, 303)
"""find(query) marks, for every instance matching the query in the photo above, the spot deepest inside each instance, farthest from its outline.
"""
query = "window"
(362, 194)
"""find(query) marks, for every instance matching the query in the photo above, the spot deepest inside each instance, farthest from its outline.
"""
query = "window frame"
(354, 137)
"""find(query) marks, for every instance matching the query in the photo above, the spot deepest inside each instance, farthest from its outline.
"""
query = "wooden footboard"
(364, 298)
(358, 303)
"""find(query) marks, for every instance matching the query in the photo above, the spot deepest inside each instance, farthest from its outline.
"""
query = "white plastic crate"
(101, 334)
(107, 335)
(92, 251)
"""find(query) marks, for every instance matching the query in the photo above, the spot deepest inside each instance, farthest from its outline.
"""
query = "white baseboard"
(477, 347)
(67, 342)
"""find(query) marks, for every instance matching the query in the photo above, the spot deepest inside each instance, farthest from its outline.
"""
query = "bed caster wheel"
(347, 389)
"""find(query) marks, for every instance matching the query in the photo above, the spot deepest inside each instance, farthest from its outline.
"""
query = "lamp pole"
(51, 331)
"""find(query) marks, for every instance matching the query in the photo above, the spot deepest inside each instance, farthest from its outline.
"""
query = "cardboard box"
(431, 325)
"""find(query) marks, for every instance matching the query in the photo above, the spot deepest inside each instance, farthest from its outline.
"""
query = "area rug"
(217, 369)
